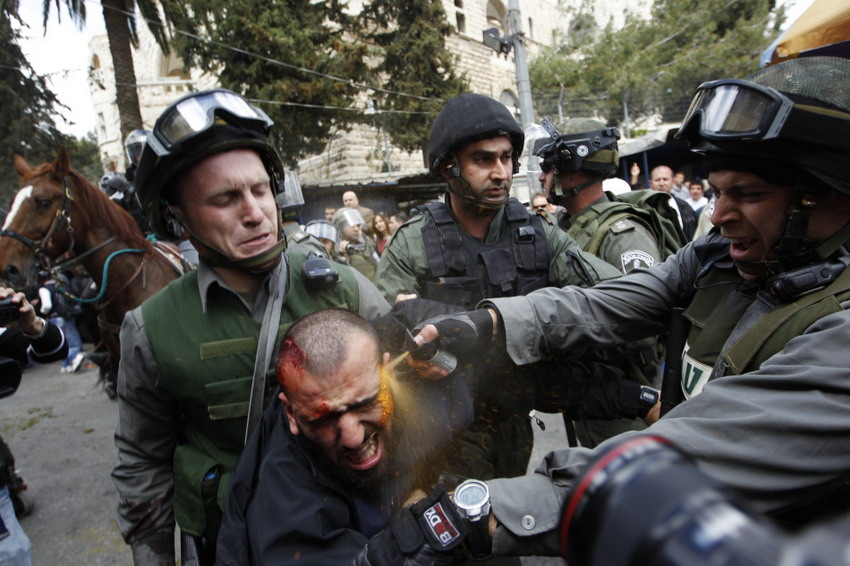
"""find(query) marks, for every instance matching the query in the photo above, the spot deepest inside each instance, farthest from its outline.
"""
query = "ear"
(61, 165)
(290, 415)
(21, 166)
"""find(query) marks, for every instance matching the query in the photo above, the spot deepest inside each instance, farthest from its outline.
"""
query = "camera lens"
(644, 503)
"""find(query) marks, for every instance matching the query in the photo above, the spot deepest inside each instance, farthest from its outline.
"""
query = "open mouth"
(367, 456)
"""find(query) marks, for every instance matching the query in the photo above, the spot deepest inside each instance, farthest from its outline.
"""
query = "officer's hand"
(425, 534)
(459, 333)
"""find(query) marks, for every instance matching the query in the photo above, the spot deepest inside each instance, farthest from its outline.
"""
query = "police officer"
(766, 290)
(290, 202)
(481, 243)
(355, 246)
(208, 173)
(575, 159)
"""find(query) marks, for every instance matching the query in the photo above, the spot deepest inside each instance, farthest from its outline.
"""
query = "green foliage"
(654, 65)
(307, 108)
(410, 40)
(26, 125)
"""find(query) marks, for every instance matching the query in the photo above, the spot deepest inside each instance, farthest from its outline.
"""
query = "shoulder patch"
(632, 259)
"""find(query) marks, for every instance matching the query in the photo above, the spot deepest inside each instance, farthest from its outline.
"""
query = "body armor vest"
(205, 362)
(464, 271)
(720, 303)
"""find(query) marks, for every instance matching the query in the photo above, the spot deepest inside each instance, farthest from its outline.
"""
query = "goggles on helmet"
(555, 148)
(730, 110)
(193, 116)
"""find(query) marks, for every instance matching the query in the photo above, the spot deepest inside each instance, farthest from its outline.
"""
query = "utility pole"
(526, 105)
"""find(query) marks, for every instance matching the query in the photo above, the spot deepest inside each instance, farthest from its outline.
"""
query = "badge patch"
(633, 259)
(441, 527)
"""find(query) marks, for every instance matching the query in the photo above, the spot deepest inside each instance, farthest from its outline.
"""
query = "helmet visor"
(732, 109)
(196, 114)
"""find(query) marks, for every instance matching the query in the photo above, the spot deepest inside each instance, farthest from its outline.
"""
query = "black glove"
(461, 333)
(423, 534)
(393, 327)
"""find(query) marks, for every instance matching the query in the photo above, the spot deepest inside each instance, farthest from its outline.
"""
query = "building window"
(95, 62)
(512, 103)
(460, 19)
(496, 15)
(459, 4)
(530, 28)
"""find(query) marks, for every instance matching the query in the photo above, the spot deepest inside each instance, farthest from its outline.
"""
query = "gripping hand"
(423, 534)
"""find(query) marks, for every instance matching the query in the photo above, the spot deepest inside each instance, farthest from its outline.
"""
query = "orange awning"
(824, 23)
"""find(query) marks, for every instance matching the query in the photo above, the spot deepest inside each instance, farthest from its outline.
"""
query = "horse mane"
(97, 207)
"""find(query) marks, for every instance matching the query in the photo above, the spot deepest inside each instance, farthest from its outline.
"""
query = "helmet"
(134, 144)
(791, 118)
(322, 229)
(466, 119)
(579, 144)
(114, 182)
(345, 217)
(192, 128)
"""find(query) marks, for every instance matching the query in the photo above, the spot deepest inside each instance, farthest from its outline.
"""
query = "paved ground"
(59, 427)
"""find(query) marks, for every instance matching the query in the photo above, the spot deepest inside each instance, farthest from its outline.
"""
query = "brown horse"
(58, 215)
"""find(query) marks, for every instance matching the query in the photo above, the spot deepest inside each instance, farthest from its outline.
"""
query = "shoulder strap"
(739, 355)
(600, 233)
(266, 342)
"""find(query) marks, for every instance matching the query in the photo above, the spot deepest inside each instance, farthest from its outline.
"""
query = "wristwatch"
(647, 399)
(472, 498)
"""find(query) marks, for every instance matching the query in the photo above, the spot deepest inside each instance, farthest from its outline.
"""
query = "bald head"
(661, 179)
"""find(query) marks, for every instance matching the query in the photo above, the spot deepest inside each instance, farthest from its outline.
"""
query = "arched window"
(496, 14)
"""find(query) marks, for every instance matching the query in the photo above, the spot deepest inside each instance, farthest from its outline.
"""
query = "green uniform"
(626, 244)
(183, 389)
(403, 268)
(500, 440)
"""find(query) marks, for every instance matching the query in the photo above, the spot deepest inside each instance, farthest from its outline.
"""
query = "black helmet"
(134, 144)
(792, 116)
(114, 182)
(466, 119)
(190, 129)
(579, 144)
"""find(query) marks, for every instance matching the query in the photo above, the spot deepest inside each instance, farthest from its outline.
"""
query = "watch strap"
(478, 540)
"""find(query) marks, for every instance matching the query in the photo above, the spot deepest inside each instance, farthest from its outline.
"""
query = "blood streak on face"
(290, 362)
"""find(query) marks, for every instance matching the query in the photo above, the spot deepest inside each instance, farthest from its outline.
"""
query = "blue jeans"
(75, 343)
(14, 548)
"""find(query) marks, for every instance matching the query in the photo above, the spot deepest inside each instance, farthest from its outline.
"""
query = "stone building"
(364, 155)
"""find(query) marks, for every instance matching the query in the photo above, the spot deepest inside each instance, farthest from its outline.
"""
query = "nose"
(723, 212)
(351, 431)
(253, 211)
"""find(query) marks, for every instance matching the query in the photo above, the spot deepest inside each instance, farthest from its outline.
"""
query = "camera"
(644, 503)
(9, 311)
(352, 249)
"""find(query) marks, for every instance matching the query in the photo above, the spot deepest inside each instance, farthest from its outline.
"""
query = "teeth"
(368, 450)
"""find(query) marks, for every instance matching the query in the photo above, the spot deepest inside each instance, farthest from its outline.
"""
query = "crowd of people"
(361, 388)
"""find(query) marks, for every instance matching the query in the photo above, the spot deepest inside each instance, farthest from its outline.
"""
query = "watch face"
(471, 494)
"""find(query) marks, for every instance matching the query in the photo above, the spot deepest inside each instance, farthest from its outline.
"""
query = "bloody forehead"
(292, 359)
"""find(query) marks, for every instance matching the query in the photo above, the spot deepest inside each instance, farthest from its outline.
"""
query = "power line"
(273, 61)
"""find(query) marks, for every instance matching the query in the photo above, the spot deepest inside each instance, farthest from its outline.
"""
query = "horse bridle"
(62, 219)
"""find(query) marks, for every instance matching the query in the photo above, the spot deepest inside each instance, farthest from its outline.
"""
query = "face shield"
(348, 217)
(291, 196)
(134, 144)
(323, 230)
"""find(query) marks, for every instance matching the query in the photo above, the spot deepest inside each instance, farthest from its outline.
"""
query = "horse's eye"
(42, 204)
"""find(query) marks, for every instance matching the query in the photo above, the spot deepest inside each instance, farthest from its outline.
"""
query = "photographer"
(355, 246)
(33, 340)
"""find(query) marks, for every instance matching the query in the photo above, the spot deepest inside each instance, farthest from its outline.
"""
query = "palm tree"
(118, 15)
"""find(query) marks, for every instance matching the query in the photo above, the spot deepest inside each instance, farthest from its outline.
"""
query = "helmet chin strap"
(792, 247)
(258, 264)
(560, 192)
(469, 198)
